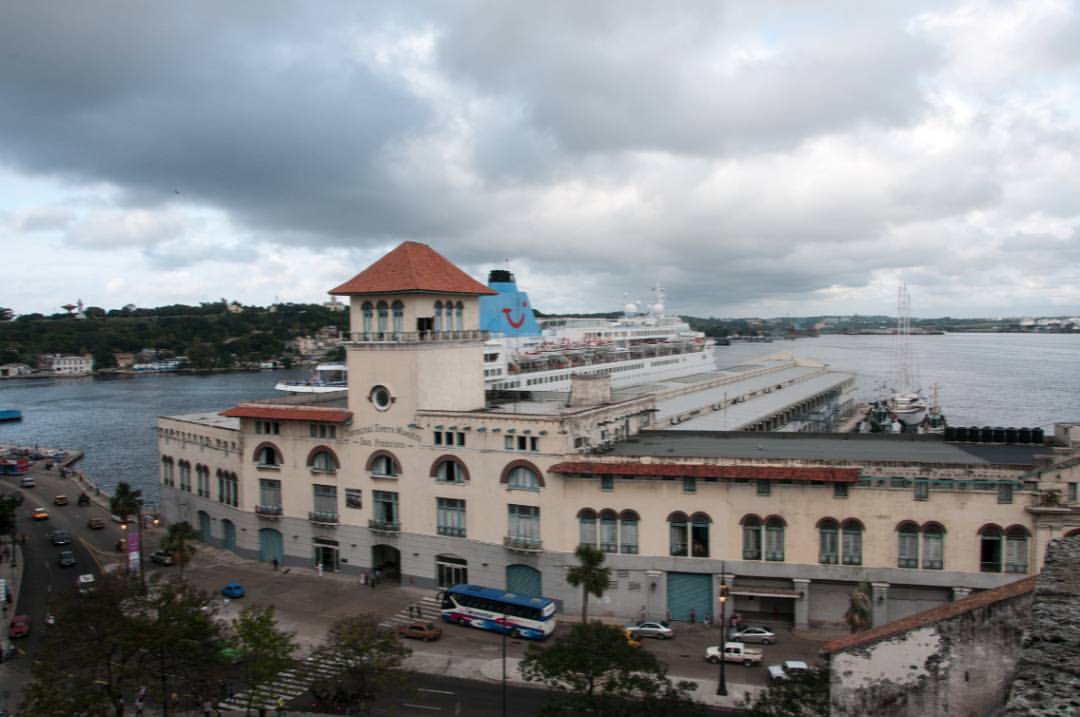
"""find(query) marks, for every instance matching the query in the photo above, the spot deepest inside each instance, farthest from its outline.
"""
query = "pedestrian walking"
(275, 563)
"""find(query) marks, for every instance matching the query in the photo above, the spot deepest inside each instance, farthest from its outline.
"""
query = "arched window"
(678, 532)
(774, 538)
(383, 464)
(851, 542)
(267, 456)
(368, 313)
(448, 469)
(522, 478)
(1016, 549)
(907, 545)
(751, 537)
(185, 476)
(383, 314)
(438, 316)
(828, 541)
(587, 527)
(459, 319)
(628, 532)
(167, 475)
(990, 548)
(323, 460)
(933, 552)
(609, 531)
(699, 535)
(398, 310)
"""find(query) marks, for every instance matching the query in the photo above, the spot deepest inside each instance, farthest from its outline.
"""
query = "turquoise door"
(689, 591)
(229, 529)
(271, 546)
(204, 526)
(523, 579)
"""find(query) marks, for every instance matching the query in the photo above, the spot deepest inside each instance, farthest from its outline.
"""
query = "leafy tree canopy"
(262, 649)
(372, 655)
(595, 670)
(803, 694)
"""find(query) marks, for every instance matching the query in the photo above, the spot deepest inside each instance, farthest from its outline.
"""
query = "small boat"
(10, 414)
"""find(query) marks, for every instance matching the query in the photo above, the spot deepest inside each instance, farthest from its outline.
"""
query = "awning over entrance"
(765, 592)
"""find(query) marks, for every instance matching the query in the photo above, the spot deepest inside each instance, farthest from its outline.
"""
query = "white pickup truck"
(734, 652)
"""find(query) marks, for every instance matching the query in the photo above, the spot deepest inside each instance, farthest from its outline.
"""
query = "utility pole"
(721, 683)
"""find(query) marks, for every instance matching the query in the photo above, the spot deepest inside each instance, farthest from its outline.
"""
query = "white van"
(86, 582)
(27, 481)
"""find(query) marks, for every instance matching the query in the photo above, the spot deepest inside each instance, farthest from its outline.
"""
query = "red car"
(20, 626)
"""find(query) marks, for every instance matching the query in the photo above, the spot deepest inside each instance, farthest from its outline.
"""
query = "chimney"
(589, 390)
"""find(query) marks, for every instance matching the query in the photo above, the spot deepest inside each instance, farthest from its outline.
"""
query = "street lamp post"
(504, 665)
(142, 571)
(721, 682)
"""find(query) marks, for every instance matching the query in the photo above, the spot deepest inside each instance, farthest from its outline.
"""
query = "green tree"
(117, 639)
(177, 540)
(859, 615)
(262, 650)
(596, 671)
(589, 575)
(372, 655)
(802, 694)
(125, 502)
(200, 355)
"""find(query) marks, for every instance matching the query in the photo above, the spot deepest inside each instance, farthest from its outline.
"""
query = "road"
(435, 696)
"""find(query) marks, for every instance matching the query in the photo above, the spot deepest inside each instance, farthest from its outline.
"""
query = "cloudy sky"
(753, 158)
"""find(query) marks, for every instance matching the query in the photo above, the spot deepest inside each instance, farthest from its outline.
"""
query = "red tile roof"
(935, 615)
(288, 413)
(412, 267)
(697, 470)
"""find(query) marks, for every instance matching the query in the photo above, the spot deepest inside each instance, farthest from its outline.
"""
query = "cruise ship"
(645, 344)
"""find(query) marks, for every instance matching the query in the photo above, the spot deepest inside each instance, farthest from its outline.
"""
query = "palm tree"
(589, 575)
(177, 540)
(859, 615)
(125, 502)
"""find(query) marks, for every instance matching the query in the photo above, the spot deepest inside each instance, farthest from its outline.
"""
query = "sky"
(754, 159)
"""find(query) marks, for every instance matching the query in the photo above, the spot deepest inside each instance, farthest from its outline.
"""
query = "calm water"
(985, 379)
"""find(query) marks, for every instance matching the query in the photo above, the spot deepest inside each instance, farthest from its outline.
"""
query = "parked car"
(14, 497)
(84, 499)
(66, 559)
(86, 582)
(27, 482)
(659, 630)
(160, 557)
(756, 634)
(95, 524)
(20, 626)
(425, 631)
(60, 537)
(786, 669)
(233, 590)
(60, 500)
(734, 652)
(40, 514)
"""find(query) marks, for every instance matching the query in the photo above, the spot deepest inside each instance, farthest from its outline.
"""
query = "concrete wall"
(958, 667)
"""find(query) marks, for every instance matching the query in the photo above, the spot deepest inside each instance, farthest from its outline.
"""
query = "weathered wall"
(1047, 680)
(956, 667)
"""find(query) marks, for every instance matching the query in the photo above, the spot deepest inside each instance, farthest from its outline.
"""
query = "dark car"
(420, 631)
(84, 499)
(20, 626)
(161, 557)
(66, 559)
(95, 524)
(61, 537)
(15, 498)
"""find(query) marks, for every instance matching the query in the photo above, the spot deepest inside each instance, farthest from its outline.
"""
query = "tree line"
(210, 335)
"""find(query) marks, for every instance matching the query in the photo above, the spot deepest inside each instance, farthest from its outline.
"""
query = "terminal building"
(420, 475)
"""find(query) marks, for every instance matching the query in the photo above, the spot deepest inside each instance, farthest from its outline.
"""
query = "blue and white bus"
(527, 616)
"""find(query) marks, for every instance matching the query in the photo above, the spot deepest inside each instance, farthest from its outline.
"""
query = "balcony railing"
(322, 517)
(830, 559)
(384, 526)
(609, 547)
(1016, 567)
(907, 563)
(415, 337)
(933, 564)
(629, 549)
(450, 530)
(852, 560)
(268, 511)
(990, 567)
(523, 544)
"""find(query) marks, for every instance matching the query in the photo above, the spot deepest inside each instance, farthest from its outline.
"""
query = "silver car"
(757, 634)
(659, 630)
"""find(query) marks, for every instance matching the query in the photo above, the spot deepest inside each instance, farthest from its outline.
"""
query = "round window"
(380, 396)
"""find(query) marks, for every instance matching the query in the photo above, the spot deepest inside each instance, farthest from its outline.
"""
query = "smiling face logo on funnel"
(516, 324)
